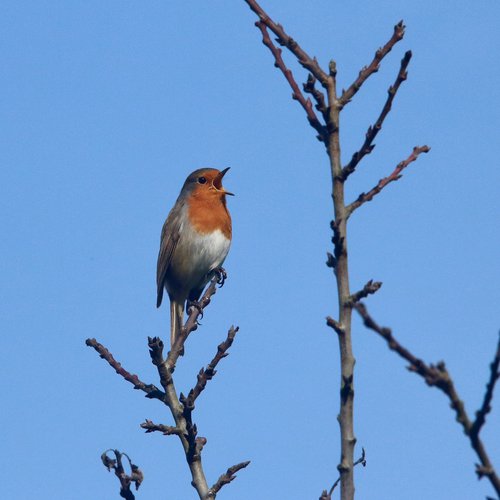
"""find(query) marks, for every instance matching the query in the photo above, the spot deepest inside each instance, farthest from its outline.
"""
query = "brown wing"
(169, 238)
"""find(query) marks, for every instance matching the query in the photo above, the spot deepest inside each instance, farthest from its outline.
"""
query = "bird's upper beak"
(218, 182)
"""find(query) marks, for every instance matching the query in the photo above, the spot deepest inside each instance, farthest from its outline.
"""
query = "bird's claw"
(197, 305)
(221, 276)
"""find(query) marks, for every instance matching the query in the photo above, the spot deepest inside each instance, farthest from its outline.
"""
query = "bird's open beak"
(218, 182)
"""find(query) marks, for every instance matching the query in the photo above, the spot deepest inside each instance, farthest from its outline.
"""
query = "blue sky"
(107, 106)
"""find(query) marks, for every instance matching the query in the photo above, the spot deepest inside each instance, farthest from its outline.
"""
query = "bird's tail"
(176, 319)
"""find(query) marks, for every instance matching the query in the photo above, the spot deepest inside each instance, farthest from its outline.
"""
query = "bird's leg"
(221, 276)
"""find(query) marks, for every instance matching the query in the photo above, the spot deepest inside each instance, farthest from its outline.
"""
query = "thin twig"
(367, 71)
(327, 495)
(382, 183)
(191, 324)
(488, 395)
(296, 94)
(319, 97)
(308, 62)
(151, 390)
(369, 289)
(166, 430)
(226, 478)
(372, 131)
(337, 326)
(438, 376)
(206, 374)
(136, 476)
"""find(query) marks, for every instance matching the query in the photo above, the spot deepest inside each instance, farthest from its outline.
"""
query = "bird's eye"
(202, 180)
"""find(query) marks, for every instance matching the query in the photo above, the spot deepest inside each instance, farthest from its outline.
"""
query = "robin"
(195, 240)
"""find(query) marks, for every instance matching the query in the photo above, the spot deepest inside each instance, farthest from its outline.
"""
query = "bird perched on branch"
(195, 240)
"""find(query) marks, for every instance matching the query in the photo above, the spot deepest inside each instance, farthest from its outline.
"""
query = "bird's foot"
(221, 276)
(197, 305)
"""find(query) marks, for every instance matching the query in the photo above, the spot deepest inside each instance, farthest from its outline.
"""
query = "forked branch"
(296, 94)
(373, 130)
(180, 407)
(438, 376)
(373, 67)
(308, 62)
(330, 105)
(327, 495)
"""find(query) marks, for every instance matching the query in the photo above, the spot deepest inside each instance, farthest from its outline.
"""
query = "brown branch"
(369, 289)
(187, 430)
(382, 183)
(319, 97)
(206, 374)
(151, 390)
(191, 324)
(226, 478)
(136, 476)
(166, 430)
(180, 407)
(340, 263)
(333, 323)
(296, 94)
(488, 395)
(330, 107)
(308, 62)
(372, 132)
(438, 376)
(327, 495)
(338, 241)
(367, 71)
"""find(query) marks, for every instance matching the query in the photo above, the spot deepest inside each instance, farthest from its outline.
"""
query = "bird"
(194, 243)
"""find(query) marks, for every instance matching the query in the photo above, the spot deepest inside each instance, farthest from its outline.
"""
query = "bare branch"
(330, 106)
(367, 71)
(382, 183)
(191, 324)
(180, 407)
(308, 62)
(191, 444)
(226, 478)
(333, 323)
(319, 97)
(166, 430)
(136, 476)
(488, 395)
(372, 132)
(370, 288)
(438, 376)
(151, 390)
(327, 495)
(208, 373)
(297, 94)
(339, 247)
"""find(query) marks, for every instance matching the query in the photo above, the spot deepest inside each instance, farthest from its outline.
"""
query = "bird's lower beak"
(218, 181)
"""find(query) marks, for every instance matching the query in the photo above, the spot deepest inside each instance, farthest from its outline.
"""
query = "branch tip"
(370, 288)
(226, 478)
(338, 327)
(382, 183)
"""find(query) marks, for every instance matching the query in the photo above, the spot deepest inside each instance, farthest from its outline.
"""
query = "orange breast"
(208, 213)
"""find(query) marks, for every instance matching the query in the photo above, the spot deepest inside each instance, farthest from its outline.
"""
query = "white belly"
(195, 257)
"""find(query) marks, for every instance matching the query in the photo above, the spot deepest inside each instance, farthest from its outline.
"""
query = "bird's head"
(206, 182)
